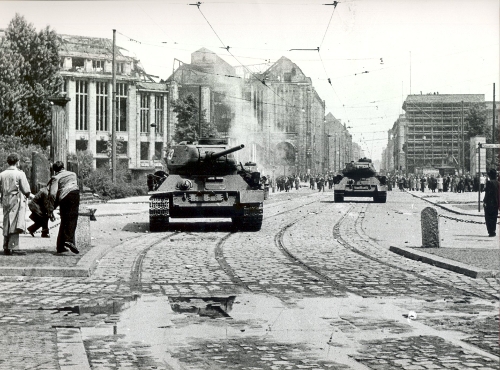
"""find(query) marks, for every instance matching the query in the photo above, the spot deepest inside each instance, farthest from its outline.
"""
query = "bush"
(14, 144)
(100, 182)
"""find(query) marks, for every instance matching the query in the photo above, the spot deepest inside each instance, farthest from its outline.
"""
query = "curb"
(449, 209)
(443, 263)
(83, 269)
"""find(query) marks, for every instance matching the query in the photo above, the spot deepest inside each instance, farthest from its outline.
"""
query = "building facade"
(141, 104)
(436, 129)
(341, 147)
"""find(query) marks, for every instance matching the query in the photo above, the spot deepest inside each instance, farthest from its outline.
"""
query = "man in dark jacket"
(490, 202)
(39, 214)
(64, 191)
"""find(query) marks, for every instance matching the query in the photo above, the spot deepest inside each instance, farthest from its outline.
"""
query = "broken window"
(78, 64)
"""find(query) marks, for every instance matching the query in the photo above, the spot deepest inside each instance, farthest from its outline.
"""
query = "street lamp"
(153, 126)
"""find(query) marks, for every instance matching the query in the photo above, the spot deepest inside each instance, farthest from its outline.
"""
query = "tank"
(360, 179)
(204, 180)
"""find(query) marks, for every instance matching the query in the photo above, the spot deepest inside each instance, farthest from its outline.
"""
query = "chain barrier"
(461, 220)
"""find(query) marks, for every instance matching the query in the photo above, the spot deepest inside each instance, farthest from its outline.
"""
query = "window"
(98, 65)
(101, 146)
(158, 150)
(101, 106)
(81, 105)
(159, 114)
(144, 112)
(121, 107)
(78, 64)
(144, 150)
(82, 145)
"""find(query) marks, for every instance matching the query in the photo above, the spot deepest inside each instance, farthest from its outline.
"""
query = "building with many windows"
(435, 129)
(141, 104)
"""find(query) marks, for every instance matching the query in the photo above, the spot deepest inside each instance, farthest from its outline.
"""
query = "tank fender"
(251, 196)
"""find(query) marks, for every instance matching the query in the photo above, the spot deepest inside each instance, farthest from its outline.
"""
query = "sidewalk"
(468, 249)
(117, 221)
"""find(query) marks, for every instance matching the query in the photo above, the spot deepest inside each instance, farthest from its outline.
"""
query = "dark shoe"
(31, 233)
(62, 250)
(492, 234)
(45, 235)
(7, 252)
(71, 247)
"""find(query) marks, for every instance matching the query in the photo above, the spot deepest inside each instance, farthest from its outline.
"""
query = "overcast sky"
(374, 52)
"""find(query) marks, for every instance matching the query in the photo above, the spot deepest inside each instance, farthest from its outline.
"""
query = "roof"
(152, 86)
(443, 98)
(90, 47)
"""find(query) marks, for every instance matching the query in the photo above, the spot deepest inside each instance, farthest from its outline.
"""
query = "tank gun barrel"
(214, 156)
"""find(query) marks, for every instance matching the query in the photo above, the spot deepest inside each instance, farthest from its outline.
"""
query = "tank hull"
(206, 197)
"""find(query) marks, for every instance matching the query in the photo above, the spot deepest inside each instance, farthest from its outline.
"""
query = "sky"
(375, 52)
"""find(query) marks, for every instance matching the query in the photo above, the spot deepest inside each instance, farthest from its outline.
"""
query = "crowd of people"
(437, 183)
(316, 181)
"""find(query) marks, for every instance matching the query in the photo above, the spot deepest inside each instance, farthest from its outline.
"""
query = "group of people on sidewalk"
(61, 191)
(451, 183)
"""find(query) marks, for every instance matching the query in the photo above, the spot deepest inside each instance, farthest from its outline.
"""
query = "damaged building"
(141, 104)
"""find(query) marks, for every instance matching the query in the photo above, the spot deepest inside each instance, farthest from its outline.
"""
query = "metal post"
(199, 115)
(113, 114)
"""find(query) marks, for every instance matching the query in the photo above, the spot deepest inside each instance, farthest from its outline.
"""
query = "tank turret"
(360, 169)
(195, 159)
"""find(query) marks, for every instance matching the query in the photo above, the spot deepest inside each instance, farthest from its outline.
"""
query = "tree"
(188, 120)
(29, 75)
(475, 122)
(476, 125)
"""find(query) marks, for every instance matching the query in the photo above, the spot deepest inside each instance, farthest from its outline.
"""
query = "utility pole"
(493, 137)
(199, 116)
(113, 114)
(463, 141)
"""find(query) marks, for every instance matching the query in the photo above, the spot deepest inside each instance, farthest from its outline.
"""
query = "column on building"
(71, 116)
(133, 126)
(92, 118)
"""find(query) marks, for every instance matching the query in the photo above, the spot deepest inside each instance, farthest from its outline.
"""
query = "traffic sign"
(489, 146)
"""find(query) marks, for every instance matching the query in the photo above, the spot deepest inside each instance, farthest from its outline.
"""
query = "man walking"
(490, 202)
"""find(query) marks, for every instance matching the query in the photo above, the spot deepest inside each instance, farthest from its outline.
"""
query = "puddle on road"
(326, 329)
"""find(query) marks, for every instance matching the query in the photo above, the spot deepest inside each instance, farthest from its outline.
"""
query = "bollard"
(430, 228)
(83, 235)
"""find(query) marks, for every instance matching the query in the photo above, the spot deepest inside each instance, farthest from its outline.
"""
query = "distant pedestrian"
(490, 202)
(64, 192)
(422, 184)
(14, 187)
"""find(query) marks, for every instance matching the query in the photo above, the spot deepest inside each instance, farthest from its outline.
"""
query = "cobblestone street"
(316, 288)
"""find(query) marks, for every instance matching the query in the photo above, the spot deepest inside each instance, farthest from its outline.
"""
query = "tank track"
(251, 220)
(159, 216)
